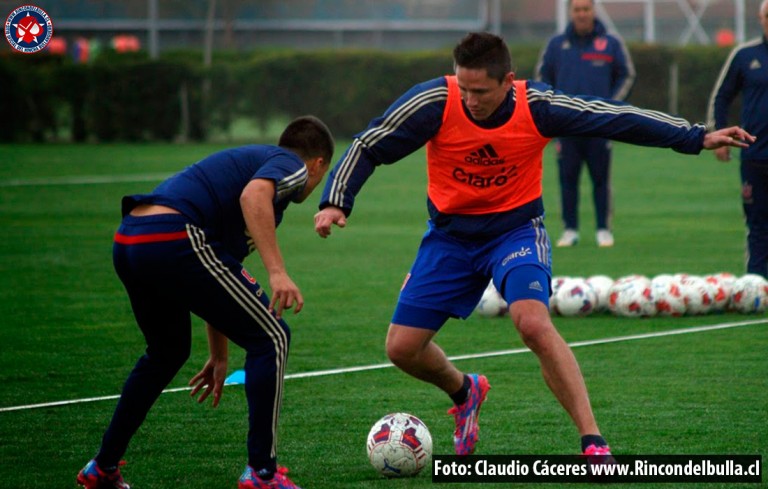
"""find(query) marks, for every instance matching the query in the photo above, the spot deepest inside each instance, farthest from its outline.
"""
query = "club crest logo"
(28, 29)
(746, 192)
(247, 276)
(600, 44)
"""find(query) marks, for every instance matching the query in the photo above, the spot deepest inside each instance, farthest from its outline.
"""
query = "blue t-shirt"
(208, 192)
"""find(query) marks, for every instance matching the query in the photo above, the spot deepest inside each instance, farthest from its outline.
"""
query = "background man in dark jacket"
(586, 60)
(745, 72)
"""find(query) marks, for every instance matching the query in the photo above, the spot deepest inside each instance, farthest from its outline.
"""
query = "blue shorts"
(449, 275)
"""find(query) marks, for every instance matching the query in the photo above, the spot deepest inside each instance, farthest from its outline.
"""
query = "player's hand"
(285, 294)
(723, 153)
(326, 218)
(730, 136)
(211, 378)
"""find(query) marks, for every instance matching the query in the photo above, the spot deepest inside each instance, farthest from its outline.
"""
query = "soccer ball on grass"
(723, 286)
(399, 445)
(575, 297)
(699, 294)
(601, 284)
(750, 294)
(667, 293)
(631, 296)
(491, 304)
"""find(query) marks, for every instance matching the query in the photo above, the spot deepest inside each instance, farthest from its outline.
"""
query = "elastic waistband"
(152, 229)
(149, 238)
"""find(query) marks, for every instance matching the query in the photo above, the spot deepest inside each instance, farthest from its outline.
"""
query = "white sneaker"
(569, 238)
(604, 238)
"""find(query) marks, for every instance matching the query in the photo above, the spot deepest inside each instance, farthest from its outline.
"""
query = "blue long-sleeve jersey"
(596, 64)
(746, 72)
(208, 192)
(416, 117)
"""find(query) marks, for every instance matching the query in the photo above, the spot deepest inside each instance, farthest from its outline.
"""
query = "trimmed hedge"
(133, 98)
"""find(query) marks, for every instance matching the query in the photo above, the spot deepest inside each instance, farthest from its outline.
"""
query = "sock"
(460, 396)
(595, 440)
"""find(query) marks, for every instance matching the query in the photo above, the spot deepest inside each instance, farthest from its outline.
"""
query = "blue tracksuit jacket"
(746, 72)
(598, 64)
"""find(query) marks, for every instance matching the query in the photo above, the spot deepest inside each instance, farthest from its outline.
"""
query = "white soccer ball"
(723, 285)
(667, 293)
(399, 445)
(699, 294)
(631, 296)
(556, 283)
(575, 297)
(491, 304)
(601, 284)
(749, 294)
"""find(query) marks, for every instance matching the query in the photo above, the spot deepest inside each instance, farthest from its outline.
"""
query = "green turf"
(67, 331)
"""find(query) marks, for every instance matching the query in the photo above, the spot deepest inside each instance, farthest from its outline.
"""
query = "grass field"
(67, 332)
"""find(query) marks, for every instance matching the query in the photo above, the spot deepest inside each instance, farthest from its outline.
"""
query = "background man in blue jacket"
(586, 60)
(746, 72)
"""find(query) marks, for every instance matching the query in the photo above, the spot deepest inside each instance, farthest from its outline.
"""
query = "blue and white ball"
(575, 297)
(491, 304)
(601, 284)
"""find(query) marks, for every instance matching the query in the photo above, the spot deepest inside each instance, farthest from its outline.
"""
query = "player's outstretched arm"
(326, 218)
(729, 136)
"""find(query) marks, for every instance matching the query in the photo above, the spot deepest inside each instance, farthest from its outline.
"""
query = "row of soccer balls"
(640, 296)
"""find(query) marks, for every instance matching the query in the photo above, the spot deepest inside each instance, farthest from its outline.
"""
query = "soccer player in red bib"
(484, 133)
(179, 251)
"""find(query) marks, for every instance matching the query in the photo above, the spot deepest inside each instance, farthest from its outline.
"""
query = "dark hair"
(483, 50)
(308, 137)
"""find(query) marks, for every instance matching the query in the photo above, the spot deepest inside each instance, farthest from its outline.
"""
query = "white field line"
(83, 180)
(362, 368)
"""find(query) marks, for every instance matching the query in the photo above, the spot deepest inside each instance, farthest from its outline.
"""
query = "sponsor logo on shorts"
(524, 251)
(535, 285)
